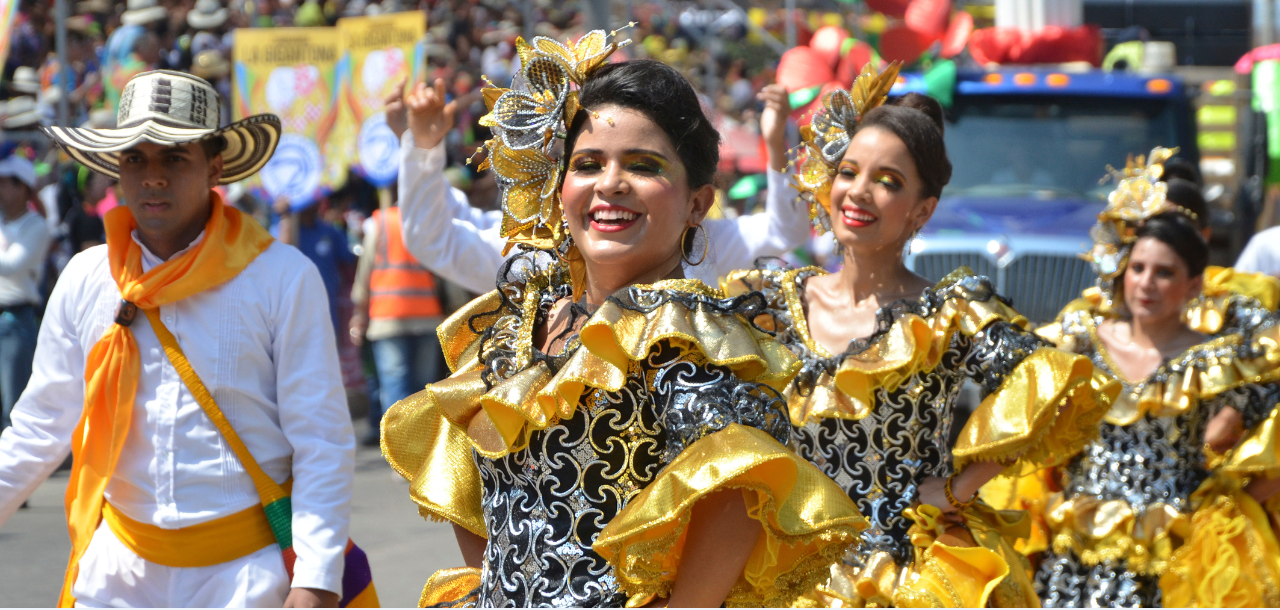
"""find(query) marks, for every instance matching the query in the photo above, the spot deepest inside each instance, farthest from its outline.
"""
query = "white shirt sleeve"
(46, 414)
(782, 226)
(1262, 253)
(435, 231)
(315, 420)
(26, 252)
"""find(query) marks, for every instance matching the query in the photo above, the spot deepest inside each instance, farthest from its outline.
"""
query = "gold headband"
(827, 137)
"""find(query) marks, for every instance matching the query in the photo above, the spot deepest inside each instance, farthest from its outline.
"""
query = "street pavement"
(403, 548)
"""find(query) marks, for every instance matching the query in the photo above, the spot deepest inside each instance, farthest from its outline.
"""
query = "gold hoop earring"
(706, 246)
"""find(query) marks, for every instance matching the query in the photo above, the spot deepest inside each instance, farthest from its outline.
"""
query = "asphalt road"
(403, 548)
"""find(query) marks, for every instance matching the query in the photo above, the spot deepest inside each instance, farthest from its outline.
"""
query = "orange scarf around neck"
(231, 241)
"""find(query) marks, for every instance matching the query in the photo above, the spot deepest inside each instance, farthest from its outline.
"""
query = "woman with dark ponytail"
(884, 353)
(611, 434)
(1164, 507)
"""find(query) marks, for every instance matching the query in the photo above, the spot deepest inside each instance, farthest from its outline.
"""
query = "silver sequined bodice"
(881, 459)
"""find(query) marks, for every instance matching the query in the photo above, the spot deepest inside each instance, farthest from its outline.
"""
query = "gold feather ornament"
(827, 137)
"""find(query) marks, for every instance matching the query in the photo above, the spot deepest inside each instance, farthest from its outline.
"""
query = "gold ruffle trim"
(1045, 411)
(1208, 313)
(501, 419)
(993, 573)
(434, 455)
(1212, 367)
(1232, 558)
(450, 588)
(1098, 531)
(1259, 453)
(1030, 493)
(808, 521)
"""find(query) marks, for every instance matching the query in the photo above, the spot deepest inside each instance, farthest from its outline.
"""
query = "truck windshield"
(1049, 147)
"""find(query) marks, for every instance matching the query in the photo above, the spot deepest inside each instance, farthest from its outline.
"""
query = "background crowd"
(731, 54)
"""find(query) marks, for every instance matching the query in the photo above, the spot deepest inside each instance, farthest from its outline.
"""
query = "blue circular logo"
(379, 151)
(294, 171)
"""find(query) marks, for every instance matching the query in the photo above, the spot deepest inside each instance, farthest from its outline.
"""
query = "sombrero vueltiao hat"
(170, 108)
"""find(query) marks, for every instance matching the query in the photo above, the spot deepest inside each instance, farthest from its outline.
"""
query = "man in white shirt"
(1262, 253)
(162, 511)
(463, 244)
(24, 242)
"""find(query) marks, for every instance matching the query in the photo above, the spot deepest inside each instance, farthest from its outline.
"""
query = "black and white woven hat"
(170, 108)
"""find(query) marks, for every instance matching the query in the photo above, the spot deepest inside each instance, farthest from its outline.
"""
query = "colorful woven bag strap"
(275, 500)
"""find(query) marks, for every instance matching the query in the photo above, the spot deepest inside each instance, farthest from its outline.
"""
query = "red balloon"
(801, 68)
(957, 35)
(929, 17)
(851, 64)
(826, 43)
(900, 43)
(891, 8)
(804, 114)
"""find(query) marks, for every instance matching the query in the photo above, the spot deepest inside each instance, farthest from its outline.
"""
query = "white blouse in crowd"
(263, 344)
(461, 243)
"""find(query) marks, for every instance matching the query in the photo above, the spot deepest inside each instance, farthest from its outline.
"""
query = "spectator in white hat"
(24, 241)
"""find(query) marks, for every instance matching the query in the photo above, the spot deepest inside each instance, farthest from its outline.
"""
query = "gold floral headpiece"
(827, 137)
(528, 121)
(1139, 195)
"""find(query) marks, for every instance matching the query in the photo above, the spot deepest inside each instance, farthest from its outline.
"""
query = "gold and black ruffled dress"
(876, 419)
(1139, 520)
(580, 469)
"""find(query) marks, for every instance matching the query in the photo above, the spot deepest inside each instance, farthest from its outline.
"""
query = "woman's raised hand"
(773, 124)
(430, 117)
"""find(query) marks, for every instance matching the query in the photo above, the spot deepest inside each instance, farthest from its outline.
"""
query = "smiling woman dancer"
(1123, 528)
(610, 435)
(884, 354)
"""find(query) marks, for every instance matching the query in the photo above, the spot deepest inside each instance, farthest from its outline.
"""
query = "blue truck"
(1029, 146)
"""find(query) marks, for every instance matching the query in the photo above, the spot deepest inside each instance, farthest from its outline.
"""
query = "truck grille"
(936, 265)
(1040, 285)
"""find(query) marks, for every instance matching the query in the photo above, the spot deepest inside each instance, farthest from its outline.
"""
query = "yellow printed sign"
(291, 72)
(377, 53)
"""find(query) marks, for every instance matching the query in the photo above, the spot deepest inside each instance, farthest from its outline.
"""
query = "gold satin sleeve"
(434, 455)
(1231, 559)
(1046, 410)
(1259, 452)
(450, 588)
(808, 521)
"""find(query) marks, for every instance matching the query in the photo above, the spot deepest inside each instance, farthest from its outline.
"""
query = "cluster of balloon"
(833, 57)
(831, 60)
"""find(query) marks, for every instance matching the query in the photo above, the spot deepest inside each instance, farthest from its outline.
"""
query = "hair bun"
(929, 106)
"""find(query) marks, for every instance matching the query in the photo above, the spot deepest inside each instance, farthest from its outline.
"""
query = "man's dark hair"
(1179, 167)
(922, 135)
(1185, 194)
(213, 146)
(1179, 233)
(664, 96)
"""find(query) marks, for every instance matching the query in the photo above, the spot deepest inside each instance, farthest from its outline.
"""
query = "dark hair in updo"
(1182, 235)
(664, 96)
(921, 132)
(929, 106)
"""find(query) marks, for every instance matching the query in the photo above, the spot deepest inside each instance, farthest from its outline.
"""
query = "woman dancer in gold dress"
(1199, 367)
(611, 433)
(884, 353)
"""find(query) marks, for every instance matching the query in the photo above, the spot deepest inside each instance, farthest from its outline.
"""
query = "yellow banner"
(377, 53)
(292, 72)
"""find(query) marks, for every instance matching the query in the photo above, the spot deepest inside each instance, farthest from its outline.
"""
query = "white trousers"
(112, 576)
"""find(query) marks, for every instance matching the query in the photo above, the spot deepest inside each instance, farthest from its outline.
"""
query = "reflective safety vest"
(399, 286)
